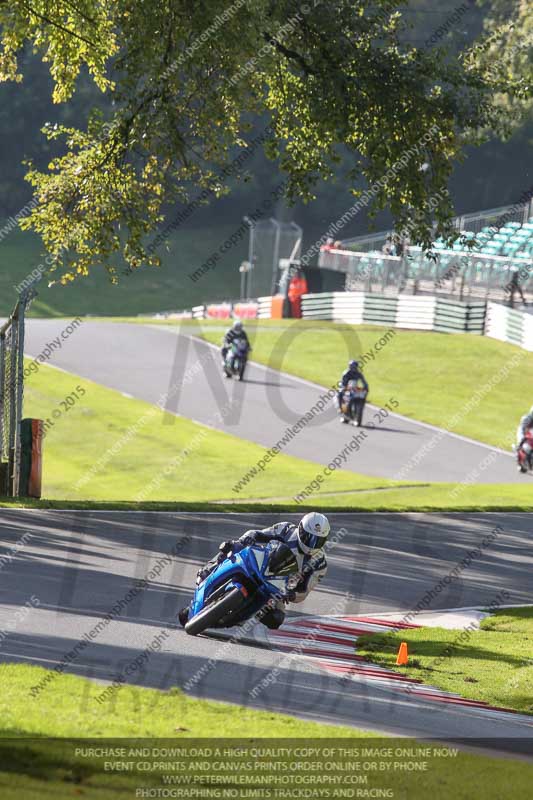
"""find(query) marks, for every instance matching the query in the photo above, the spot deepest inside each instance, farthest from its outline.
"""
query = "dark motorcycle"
(352, 403)
(236, 358)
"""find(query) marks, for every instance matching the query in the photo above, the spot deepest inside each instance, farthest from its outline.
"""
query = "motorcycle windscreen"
(280, 560)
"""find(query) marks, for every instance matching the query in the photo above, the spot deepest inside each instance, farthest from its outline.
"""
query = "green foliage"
(339, 80)
(504, 54)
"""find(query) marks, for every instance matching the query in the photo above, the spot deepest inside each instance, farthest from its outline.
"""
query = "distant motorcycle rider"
(525, 423)
(235, 332)
(306, 540)
(353, 373)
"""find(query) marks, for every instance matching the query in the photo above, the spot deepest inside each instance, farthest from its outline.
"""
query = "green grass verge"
(150, 442)
(152, 460)
(429, 497)
(67, 707)
(32, 766)
(493, 664)
(433, 376)
(488, 498)
(168, 458)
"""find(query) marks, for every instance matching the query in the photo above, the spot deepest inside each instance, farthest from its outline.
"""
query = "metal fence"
(497, 217)
(11, 395)
(454, 274)
(270, 241)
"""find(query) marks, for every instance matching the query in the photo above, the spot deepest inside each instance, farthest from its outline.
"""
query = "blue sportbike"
(242, 585)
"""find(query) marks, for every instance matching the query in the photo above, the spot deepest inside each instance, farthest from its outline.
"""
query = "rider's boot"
(272, 614)
(183, 616)
(273, 618)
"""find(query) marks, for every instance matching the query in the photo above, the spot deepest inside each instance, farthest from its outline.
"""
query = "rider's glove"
(247, 539)
(225, 548)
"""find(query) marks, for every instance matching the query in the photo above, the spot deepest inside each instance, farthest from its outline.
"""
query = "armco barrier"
(244, 310)
(509, 325)
(218, 311)
(264, 307)
(496, 323)
(515, 327)
(350, 309)
(417, 312)
(380, 310)
(527, 341)
(318, 306)
(336, 306)
(453, 317)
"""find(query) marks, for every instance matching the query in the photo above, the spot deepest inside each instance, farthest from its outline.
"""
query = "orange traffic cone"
(403, 657)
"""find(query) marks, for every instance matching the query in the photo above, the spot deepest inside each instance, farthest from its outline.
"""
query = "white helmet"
(237, 325)
(313, 532)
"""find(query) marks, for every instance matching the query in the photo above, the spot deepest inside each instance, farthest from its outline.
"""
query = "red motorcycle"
(524, 453)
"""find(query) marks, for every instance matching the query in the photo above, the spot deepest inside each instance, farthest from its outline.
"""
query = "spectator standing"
(297, 288)
(514, 287)
(387, 248)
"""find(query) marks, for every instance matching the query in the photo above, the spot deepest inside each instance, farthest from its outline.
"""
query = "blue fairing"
(246, 568)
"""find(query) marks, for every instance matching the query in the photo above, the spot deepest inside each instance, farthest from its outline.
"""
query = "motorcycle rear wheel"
(212, 613)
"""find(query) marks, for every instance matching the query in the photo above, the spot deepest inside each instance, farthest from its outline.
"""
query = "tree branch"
(77, 10)
(59, 26)
(288, 53)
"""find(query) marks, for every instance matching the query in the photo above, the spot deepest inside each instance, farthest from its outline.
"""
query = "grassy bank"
(148, 290)
(493, 664)
(162, 459)
(492, 497)
(157, 456)
(123, 453)
(32, 766)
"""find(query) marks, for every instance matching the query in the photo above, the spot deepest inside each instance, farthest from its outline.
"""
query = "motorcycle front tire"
(212, 613)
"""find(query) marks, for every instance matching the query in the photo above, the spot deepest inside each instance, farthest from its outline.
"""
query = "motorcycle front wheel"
(209, 616)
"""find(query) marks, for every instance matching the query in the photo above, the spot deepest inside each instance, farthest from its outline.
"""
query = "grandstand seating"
(478, 265)
(512, 240)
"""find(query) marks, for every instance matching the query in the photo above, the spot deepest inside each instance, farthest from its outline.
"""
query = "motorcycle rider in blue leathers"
(306, 540)
(353, 373)
(235, 332)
